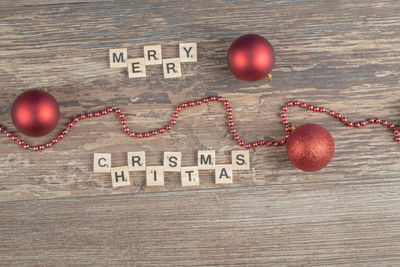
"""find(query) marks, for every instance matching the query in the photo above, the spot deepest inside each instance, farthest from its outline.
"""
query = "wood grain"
(344, 55)
(344, 62)
(352, 223)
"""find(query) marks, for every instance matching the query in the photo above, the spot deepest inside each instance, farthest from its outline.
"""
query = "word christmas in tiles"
(172, 163)
(153, 56)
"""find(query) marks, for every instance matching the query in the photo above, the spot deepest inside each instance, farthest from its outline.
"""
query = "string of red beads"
(185, 105)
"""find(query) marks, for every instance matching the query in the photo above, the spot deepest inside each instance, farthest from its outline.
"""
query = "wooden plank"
(315, 224)
(20, 3)
(343, 62)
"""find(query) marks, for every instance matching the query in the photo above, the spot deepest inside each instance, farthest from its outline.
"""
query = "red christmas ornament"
(310, 147)
(251, 57)
(35, 113)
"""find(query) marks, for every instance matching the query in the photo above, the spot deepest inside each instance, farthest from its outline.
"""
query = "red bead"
(237, 137)
(132, 134)
(363, 123)
(303, 105)
(276, 143)
(255, 144)
(206, 100)
(127, 129)
(285, 108)
(220, 99)
(109, 109)
(251, 57)
(8, 134)
(241, 143)
(60, 136)
(371, 120)
(316, 109)
(123, 122)
(332, 113)
(2, 129)
(288, 129)
(391, 126)
(146, 134)
(26, 146)
(154, 133)
(230, 117)
(231, 124)
(41, 147)
(378, 120)
(350, 124)
(213, 98)
(179, 109)
(117, 110)
(310, 107)
(289, 104)
(55, 140)
(283, 141)
(97, 114)
(357, 125)
(262, 142)
(162, 130)
(121, 116)
(198, 102)
(70, 124)
(226, 103)
(233, 131)
(338, 115)
(322, 109)
(175, 115)
(296, 103)
(35, 148)
(21, 142)
(229, 109)
(396, 131)
(248, 146)
(65, 131)
(49, 145)
(14, 138)
(104, 112)
(139, 135)
(285, 122)
(90, 114)
(397, 138)
(173, 122)
(168, 127)
(269, 143)
(82, 116)
(283, 115)
(287, 136)
(384, 122)
(191, 103)
(344, 119)
(184, 105)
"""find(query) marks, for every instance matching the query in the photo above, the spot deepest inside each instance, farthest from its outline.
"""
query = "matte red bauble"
(251, 57)
(310, 147)
(35, 113)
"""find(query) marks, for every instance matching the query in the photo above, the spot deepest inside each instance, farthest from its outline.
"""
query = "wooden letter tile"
(102, 162)
(172, 161)
(120, 176)
(136, 68)
(118, 58)
(206, 159)
(137, 161)
(190, 176)
(152, 55)
(223, 174)
(154, 175)
(241, 160)
(188, 52)
(172, 68)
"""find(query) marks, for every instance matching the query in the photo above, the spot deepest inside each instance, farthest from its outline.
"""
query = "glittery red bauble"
(251, 57)
(35, 113)
(310, 147)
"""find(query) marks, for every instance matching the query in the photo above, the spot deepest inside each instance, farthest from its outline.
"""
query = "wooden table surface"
(344, 55)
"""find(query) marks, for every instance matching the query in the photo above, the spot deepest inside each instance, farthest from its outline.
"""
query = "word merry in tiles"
(136, 161)
(153, 56)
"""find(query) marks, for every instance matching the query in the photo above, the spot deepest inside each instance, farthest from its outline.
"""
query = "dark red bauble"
(310, 147)
(251, 57)
(35, 113)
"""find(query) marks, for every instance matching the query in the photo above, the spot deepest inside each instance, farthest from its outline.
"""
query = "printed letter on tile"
(223, 174)
(152, 55)
(136, 68)
(102, 162)
(172, 161)
(190, 176)
(137, 161)
(188, 52)
(118, 58)
(206, 159)
(120, 176)
(172, 68)
(241, 160)
(154, 175)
